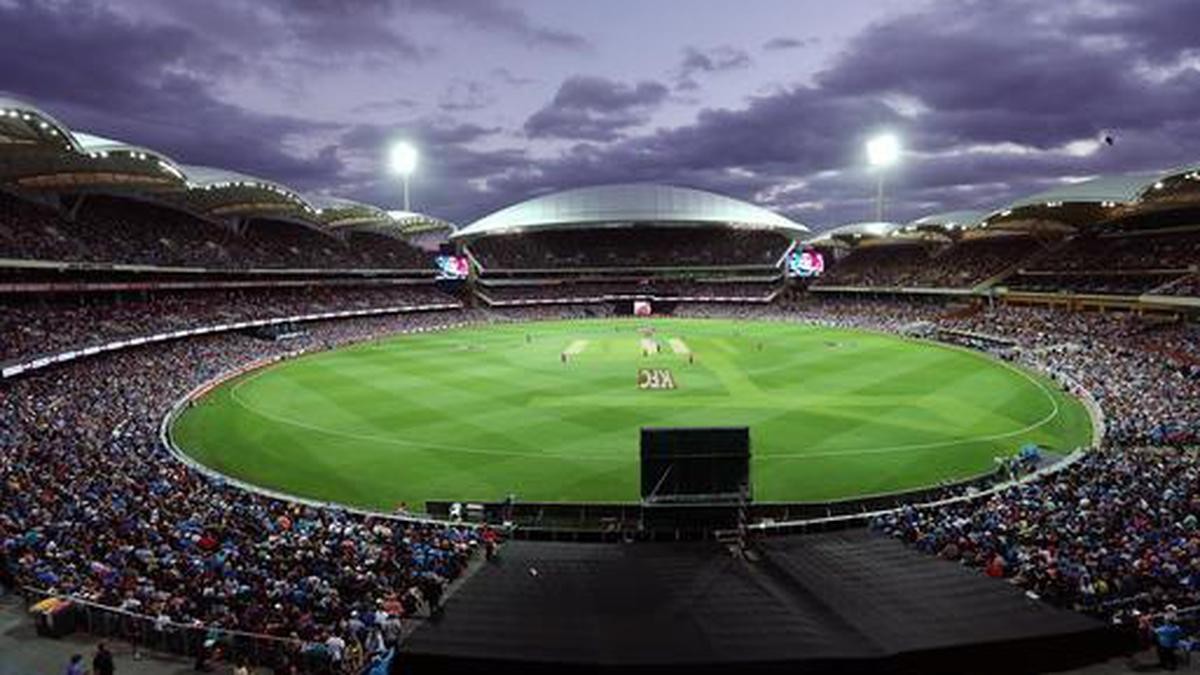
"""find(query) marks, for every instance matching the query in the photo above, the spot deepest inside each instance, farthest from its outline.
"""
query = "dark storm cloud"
(386, 105)
(315, 33)
(785, 43)
(494, 16)
(1038, 81)
(463, 95)
(992, 100)
(714, 60)
(354, 25)
(1157, 30)
(141, 83)
(595, 108)
(370, 24)
(510, 79)
(988, 115)
(449, 165)
(793, 133)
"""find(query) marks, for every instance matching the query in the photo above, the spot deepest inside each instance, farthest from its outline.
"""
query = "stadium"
(620, 427)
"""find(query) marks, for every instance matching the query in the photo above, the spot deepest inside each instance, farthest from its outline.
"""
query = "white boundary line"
(1090, 404)
(181, 404)
(976, 439)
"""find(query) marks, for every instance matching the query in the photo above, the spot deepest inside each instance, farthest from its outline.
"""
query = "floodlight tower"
(404, 162)
(882, 152)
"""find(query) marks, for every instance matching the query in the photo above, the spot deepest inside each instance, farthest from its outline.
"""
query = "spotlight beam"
(403, 160)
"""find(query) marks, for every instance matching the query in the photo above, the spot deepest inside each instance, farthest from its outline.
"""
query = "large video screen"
(678, 462)
(805, 262)
(452, 267)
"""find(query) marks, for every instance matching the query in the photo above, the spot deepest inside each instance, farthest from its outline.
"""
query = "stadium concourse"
(129, 280)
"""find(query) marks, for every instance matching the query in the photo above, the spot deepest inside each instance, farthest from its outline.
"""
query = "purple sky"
(767, 100)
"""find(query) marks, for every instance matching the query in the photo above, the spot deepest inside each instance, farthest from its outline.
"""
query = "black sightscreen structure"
(695, 464)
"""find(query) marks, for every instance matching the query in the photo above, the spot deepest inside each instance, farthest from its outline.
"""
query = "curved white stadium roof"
(14, 109)
(950, 219)
(626, 203)
(41, 153)
(856, 231)
(1118, 189)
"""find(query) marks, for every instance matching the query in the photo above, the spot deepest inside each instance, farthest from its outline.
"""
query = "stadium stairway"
(1036, 256)
(1159, 290)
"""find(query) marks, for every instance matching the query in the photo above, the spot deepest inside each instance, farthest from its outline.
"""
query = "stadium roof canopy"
(1116, 189)
(854, 233)
(1174, 188)
(27, 125)
(338, 213)
(37, 152)
(950, 220)
(344, 215)
(628, 204)
(411, 222)
(218, 193)
(1070, 206)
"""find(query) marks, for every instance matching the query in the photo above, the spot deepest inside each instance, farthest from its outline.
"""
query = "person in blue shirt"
(76, 667)
(1167, 637)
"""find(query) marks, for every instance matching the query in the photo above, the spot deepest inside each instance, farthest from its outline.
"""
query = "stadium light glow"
(403, 160)
(883, 150)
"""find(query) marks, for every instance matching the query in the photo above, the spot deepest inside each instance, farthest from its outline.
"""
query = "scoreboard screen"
(452, 266)
(694, 462)
(805, 262)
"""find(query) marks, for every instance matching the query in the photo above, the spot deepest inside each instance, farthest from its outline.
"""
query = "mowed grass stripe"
(481, 412)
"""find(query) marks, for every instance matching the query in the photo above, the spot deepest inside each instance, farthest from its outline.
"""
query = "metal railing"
(147, 633)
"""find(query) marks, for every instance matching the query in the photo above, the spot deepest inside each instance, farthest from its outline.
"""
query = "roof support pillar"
(74, 210)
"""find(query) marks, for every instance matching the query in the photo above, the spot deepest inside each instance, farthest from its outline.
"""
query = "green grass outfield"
(477, 413)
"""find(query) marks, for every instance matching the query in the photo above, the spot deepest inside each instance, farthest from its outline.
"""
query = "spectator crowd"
(634, 246)
(110, 230)
(664, 289)
(1109, 262)
(1116, 531)
(31, 326)
(92, 506)
(929, 265)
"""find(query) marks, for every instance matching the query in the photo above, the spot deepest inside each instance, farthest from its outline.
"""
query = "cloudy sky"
(767, 100)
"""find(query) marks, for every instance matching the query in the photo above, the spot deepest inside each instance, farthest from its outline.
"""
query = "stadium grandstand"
(73, 197)
(1115, 239)
(138, 291)
(102, 240)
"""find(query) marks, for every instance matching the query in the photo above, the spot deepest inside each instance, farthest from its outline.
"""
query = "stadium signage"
(655, 378)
